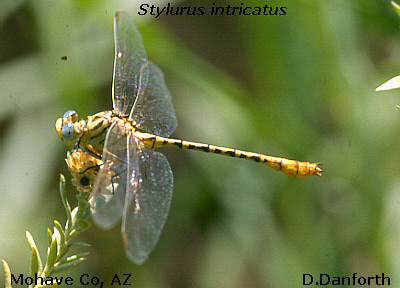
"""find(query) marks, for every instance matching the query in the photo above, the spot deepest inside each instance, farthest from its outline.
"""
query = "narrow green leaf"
(30, 239)
(7, 274)
(61, 234)
(64, 200)
(69, 259)
(52, 254)
(36, 263)
(391, 84)
(79, 244)
(396, 7)
(68, 265)
(49, 237)
(74, 212)
(58, 226)
(73, 258)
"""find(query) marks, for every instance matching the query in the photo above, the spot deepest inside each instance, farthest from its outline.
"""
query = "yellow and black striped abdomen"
(292, 168)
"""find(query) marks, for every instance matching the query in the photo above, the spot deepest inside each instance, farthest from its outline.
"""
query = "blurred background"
(299, 86)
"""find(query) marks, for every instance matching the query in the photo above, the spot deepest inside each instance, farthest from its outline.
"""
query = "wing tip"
(139, 258)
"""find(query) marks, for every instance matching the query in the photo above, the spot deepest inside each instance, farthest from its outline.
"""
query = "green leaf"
(65, 201)
(74, 257)
(52, 254)
(71, 261)
(68, 265)
(36, 263)
(7, 275)
(49, 237)
(391, 84)
(79, 244)
(34, 266)
(57, 226)
(396, 7)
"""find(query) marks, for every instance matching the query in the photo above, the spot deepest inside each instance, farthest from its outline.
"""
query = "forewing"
(130, 74)
(153, 110)
(108, 193)
(147, 201)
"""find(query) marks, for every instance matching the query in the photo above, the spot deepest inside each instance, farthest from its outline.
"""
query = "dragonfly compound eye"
(67, 132)
(71, 114)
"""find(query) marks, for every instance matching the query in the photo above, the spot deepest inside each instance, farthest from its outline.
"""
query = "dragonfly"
(114, 157)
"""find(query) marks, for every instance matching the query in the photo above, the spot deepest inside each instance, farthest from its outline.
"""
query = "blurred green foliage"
(299, 86)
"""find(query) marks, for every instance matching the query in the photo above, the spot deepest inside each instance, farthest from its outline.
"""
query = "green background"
(299, 86)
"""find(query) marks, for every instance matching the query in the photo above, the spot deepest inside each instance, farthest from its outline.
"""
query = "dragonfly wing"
(147, 200)
(108, 193)
(130, 74)
(139, 88)
(153, 110)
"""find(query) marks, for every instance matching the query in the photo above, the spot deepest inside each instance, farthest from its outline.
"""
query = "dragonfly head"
(65, 126)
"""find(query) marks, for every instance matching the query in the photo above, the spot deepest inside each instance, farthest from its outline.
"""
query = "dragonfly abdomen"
(292, 168)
